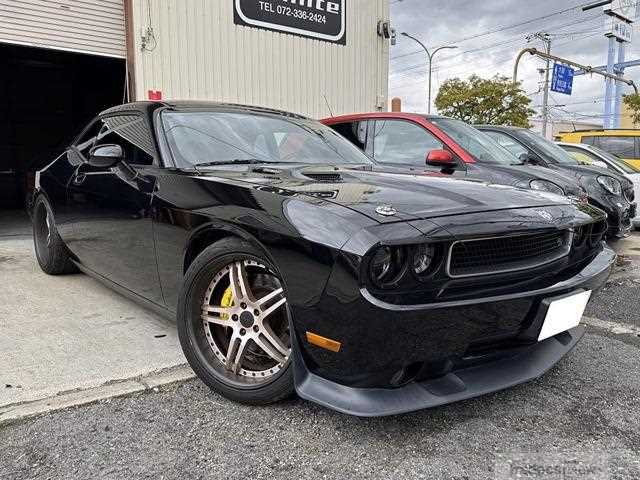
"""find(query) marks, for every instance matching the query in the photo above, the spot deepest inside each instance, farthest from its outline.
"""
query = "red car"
(446, 146)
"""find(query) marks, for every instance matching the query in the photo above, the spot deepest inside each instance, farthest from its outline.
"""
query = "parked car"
(623, 143)
(443, 146)
(582, 152)
(606, 189)
(290, 261)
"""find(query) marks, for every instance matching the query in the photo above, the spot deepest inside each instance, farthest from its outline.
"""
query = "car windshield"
(223, 137)
(478, 144)
(618, 162)
(553, 152)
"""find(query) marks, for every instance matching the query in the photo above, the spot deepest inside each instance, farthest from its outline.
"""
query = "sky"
(489, 34)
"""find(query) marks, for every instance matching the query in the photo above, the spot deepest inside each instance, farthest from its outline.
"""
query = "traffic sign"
(623, 9)
(562, 81)
(620, 29)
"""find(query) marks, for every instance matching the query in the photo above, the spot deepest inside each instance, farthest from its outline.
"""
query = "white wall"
(201, 54)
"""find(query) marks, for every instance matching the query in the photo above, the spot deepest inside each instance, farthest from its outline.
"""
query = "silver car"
(595, 156)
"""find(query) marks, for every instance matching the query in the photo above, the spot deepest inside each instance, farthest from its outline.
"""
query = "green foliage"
(633, 104)
(495, 101)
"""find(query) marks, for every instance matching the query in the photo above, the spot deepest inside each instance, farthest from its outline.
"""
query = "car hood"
(411, 197)
(527, 173)
(587, 175)
(584, 171)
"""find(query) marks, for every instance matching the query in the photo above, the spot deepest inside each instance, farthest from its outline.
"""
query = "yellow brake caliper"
(226, 301)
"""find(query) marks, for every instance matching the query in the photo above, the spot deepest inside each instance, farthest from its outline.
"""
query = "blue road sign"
(562, 81)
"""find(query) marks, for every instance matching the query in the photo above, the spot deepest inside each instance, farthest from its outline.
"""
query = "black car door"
(111, 208)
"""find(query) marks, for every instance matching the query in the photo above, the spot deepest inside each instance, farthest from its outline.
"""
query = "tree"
(495, 101)
(633, 104)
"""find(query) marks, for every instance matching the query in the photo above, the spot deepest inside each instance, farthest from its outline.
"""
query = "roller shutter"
(87, 26)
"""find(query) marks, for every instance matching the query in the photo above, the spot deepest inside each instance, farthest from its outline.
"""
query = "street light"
(430, 57)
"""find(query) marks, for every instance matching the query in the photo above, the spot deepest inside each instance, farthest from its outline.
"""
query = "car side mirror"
(441, 158)
(529, 159)
(105, 156)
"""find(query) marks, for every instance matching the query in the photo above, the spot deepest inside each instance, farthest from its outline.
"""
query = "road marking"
(616, 328)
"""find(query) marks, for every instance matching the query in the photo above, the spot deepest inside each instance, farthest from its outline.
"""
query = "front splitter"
(460, 385)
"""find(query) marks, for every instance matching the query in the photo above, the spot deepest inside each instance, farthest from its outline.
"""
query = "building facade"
(199, 49)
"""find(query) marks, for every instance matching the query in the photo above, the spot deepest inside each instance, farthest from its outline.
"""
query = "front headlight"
(399, 267)
(423, 259)
(546, 186)
(387, 266)
(610, 184)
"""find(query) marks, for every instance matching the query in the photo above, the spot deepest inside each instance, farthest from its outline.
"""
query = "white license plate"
(564, 314)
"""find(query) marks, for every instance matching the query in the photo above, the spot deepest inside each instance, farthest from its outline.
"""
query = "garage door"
(88, 26)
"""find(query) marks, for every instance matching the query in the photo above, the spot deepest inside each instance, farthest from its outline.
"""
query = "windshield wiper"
(235, 161)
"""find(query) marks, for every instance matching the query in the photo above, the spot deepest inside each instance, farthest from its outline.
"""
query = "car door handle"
(79, 179)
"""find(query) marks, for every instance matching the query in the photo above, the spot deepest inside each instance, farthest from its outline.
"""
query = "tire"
(51, 253)
(253, 375)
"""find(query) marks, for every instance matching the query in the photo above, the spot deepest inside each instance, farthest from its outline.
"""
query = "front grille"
(487, 256)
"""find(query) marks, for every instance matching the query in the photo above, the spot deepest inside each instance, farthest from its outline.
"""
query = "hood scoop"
(324, 177)
(267, 170)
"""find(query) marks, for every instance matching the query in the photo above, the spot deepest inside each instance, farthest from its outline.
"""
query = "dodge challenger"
(291, 262)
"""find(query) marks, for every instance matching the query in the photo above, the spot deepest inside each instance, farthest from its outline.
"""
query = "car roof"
(504, 128)
(583, 146)
(148, 107)
(369, 115)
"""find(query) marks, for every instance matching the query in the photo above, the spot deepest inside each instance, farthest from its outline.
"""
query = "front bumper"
(435, 343)
(621, 217)
(511, 370)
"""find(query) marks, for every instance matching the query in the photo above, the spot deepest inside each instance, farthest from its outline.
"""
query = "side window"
(588, 139)
(623, 147)
(402, 142)
(509, 143)
(581, 156)
(132, 134)
(355, 132)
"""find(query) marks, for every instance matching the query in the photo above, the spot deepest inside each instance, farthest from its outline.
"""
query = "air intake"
(324, 177)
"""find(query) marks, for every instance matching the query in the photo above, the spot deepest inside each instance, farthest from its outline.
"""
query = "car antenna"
(328, 106)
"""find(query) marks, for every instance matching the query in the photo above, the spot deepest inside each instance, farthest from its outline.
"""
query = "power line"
(508, 41)
(593, 18)
(501, 61)
(503, 28)
(402, 73)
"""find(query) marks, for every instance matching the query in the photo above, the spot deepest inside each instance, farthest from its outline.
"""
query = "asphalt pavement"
(580, 417)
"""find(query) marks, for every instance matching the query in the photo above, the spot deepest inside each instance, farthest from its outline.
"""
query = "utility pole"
(609, 84)
(617, 102)
(546, 40)
(621, 15)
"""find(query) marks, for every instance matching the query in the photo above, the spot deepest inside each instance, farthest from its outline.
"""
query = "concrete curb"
(118, 388)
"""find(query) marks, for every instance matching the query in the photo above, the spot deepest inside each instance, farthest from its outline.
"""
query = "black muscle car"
(292, 263)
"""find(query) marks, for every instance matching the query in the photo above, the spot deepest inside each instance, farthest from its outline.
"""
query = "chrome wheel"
(245, 319)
